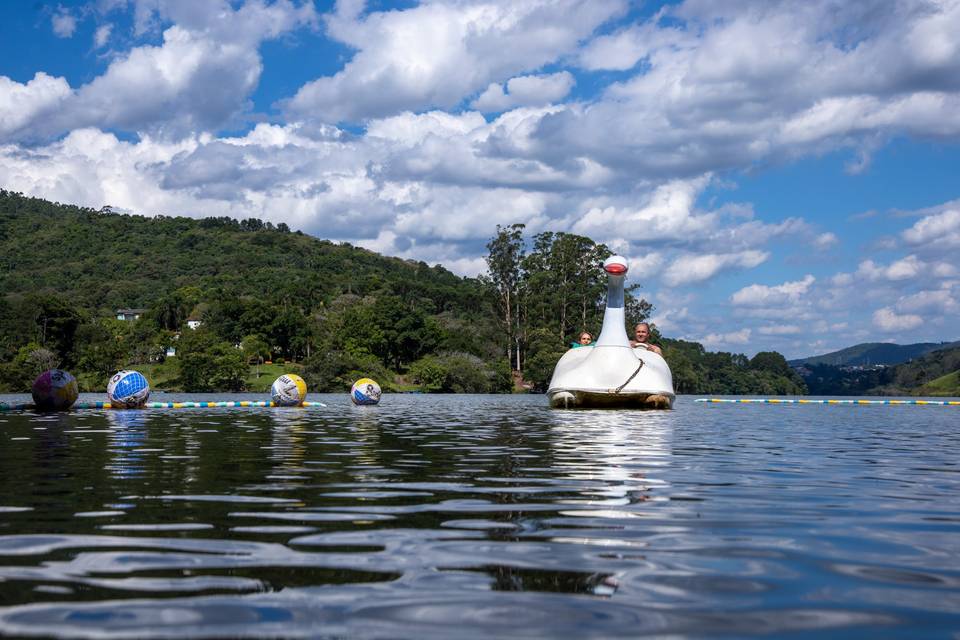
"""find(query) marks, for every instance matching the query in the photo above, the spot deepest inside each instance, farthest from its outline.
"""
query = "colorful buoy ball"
(289, 390)
(128, 390)
(365, 391)
(55, 390)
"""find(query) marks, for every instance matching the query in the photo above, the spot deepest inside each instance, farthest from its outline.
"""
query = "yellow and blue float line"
(27, 406)
(942, 403)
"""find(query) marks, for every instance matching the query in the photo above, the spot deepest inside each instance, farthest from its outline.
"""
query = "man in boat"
(641, 335)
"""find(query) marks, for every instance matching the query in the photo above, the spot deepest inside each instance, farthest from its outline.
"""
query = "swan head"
(616, 265)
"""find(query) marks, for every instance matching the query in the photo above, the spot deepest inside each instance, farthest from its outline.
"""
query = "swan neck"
(614, 332)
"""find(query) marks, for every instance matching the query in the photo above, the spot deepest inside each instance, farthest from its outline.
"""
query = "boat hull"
(575, 399)
(611, 376)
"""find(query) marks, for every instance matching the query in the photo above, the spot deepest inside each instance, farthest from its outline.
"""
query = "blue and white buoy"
(128, 390)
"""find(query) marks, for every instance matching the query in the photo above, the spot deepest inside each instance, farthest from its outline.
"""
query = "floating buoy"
(186, 404)
(128, 390)
(365, 391)
(55, 390)
(940, 403)
(289, 390)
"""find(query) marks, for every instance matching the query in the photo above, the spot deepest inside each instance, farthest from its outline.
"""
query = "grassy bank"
(948, 385)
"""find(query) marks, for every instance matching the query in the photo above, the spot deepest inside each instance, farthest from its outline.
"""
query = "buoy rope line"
(941, 403)
(26, 406)
(632, 376)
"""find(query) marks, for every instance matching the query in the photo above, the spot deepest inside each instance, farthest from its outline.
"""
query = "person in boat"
(585, 340)
(641, 335)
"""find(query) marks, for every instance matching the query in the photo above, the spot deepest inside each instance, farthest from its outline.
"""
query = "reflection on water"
(126, 443)
(480, 516)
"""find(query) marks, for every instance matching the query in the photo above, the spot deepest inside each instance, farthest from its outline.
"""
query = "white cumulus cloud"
(886, 319)
(102, 35)
(942, 301)
(780, 330)
(762, 295)
(198, 79)
(438, 53)
(903, 269)
(721, 340)
(525, 91)
(691, 269)
(666, 213)
(936, 230)
(64, 23)
(826, 240)
(22, 104)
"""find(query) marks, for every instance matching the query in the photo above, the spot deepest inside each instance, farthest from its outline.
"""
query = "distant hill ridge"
(874, 353)
(102, 261)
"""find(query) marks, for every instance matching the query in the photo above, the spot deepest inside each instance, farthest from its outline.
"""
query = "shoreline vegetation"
(201, 305)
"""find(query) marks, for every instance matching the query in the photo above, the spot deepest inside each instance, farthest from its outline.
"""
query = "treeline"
(696, 370)
(263, 293)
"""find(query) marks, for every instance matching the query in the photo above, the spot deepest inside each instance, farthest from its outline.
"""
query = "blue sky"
(781, 175)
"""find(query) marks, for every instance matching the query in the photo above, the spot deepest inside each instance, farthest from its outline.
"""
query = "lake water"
(481, 516)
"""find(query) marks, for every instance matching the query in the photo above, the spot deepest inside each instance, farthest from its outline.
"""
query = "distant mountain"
(934, 373)
(874, 353)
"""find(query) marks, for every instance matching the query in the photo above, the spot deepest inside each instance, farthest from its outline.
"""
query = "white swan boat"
(611, 373)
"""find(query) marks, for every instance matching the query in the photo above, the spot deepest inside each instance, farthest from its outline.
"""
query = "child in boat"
(585, 340)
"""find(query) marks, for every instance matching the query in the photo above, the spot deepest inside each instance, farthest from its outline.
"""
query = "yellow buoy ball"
(55, 390)
(289, 390)
(365, 391)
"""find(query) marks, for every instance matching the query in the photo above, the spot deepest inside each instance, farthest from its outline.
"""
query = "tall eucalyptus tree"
(504, 265)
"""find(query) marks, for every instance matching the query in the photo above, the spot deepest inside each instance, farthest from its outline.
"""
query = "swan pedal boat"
(611, 373)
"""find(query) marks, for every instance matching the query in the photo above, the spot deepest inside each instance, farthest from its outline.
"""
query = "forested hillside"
(872, 354)
(336, 309)
(332, 312)
(934, 373)
(103, 261)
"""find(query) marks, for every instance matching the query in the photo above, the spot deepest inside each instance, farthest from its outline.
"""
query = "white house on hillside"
(130, 314)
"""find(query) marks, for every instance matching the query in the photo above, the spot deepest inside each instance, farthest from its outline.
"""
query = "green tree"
(636, 310)
(255, 350)
(286, 333)
(573, 289)
(430, 374)
(458, 373)
(403, 332)
(55, 323)
(170, 312)
(210, 364)
(144, 343)
(565, 284)
(543, 353)
(99, 348)
(335, 370)
(771, 361)
(31, 360)
(504, 262)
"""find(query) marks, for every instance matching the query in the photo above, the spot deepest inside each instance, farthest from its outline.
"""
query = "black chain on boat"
(632, 376)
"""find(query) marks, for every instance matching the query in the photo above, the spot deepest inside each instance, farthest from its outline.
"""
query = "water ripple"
(480, 516)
